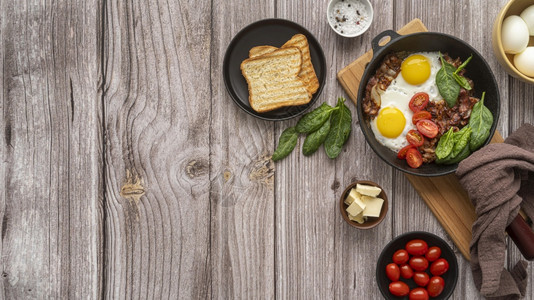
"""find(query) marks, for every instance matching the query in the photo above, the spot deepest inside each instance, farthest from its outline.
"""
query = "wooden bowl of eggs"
(513, 39)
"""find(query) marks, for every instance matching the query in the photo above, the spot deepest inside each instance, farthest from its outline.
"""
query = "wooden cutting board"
(443, 195)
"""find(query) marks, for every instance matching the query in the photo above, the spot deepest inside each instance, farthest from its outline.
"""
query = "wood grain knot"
(132, 189)
(262, 170)
(335, 185)
(196, 168)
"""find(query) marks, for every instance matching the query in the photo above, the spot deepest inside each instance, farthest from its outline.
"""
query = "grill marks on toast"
(273, 80)
(307, 72)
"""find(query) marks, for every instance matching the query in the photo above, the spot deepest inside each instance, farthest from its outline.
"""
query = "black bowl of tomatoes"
(417, 265)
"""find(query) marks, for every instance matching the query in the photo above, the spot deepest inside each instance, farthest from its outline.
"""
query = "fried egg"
(394, 119)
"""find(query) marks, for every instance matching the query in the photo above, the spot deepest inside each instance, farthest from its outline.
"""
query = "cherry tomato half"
(406, 271)
(414, 160)
(402, 152)
(418, 294)
(418, 263)
(435, 286)
(427, 128)
(415, 138)
(433, 253)
(399, 288)
(418, 101)
(416, 247)
(393, 272)
(421, 278)
(421, 115)
(439, 267)
(401, 256)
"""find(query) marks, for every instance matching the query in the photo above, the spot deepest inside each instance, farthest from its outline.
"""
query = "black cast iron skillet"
(478, 70)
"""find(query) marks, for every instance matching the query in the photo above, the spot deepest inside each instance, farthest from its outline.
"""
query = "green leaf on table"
(315, 139)
(286, 143)
(340, 129)
(313, 120)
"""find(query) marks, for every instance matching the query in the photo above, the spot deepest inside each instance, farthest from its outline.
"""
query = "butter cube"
(368, 190)
(356, 207)
(359, 218)
(373, 206)
(352, 196)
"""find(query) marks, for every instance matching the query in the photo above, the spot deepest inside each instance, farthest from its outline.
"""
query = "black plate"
(274, 32)
(385, 258)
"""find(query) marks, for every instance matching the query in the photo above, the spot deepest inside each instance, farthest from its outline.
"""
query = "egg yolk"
(390, 122)
(415, 69)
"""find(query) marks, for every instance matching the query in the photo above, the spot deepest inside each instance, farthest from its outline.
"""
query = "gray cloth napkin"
(499, 178)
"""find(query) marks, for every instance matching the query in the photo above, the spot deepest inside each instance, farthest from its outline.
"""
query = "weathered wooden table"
(128, 172)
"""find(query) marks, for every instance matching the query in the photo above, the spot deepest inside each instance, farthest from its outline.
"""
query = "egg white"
(398, 95)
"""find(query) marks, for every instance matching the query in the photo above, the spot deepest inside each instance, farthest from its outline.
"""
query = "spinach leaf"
(314, 119)
(453, 160)
(457, 142)
(286, 143)
(461, 140)
(315, 139)
(447, 85)
(480, 122)
(445, 144)
(462, 66)
(462, 81)
(340, 129)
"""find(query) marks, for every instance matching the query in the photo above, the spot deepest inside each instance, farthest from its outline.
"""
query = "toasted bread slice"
(307, 72)
(260, 50)
(273, 80)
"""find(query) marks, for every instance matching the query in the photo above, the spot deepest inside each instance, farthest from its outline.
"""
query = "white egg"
(514, 34)
(398, 95)
(524, 61)
(528, 16)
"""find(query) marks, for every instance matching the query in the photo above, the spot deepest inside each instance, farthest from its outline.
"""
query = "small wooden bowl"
(513, 7)
(371, 222)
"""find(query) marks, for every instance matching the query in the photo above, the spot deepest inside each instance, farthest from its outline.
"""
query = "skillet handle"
(522, 236)
(387, 33)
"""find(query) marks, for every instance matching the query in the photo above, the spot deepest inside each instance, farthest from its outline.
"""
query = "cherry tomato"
(435, 286)
(418, 294)
(433, 253)
(421, 115)
(414, 158)
(415, 138)
(419, 101)
(406, 271)
(402, 152)
(401, 256)
(427, 128)
(418, 263)
(416, 247)
(439, 267)
(399, 288)
(393, 272)
(421, 278)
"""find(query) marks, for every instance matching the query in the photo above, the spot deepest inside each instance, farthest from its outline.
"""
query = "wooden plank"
(242, 175)
(50, 206)
(157, 122)
(305, 189)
